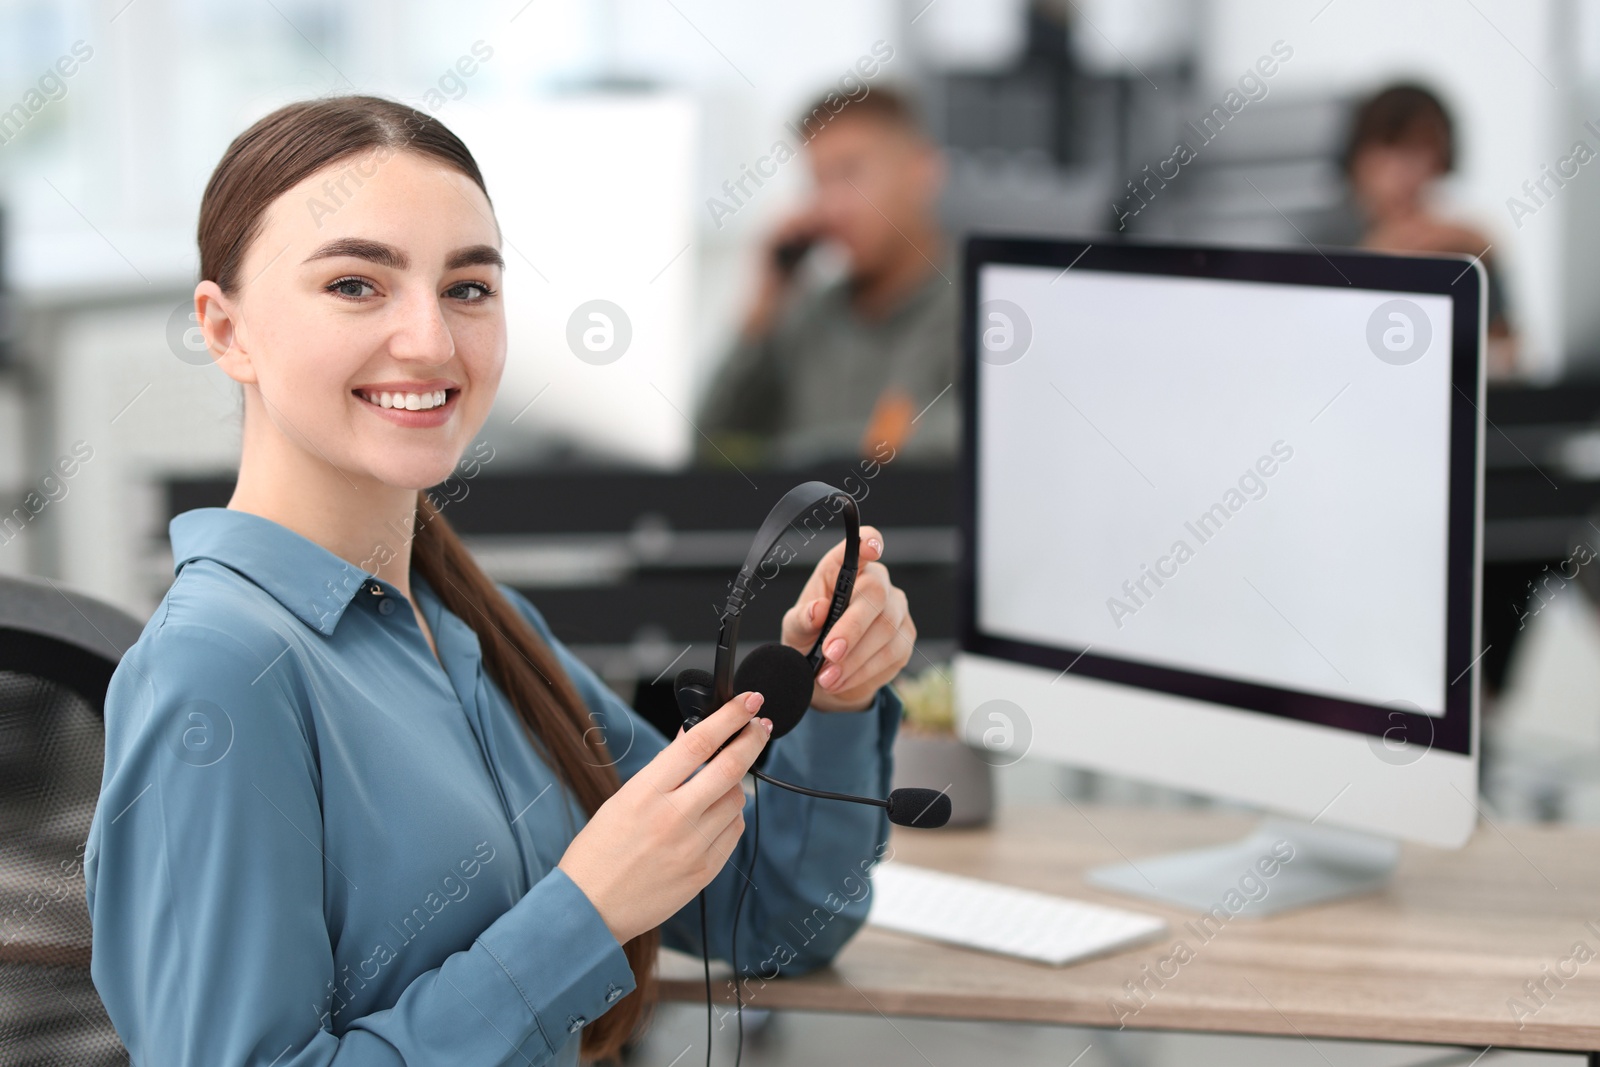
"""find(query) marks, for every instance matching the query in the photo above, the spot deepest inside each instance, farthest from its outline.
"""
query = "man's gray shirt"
(810, 387)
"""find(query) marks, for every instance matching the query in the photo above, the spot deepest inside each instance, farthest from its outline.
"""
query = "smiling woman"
(390, 707)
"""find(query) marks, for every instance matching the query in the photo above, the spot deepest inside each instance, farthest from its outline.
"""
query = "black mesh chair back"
(57, 652)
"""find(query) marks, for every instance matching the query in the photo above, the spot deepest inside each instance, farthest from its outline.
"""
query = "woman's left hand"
(872, 640)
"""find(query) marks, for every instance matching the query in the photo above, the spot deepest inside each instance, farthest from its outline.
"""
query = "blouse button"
(613, 991)
(575, 1023)
(386, 606)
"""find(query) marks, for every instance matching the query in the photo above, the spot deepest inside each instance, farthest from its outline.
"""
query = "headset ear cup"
(783, 676)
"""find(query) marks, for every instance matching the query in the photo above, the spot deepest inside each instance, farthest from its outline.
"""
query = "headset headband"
(796, 504)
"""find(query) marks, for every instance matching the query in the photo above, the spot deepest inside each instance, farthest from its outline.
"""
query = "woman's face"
(369, 319)
(1390, 179)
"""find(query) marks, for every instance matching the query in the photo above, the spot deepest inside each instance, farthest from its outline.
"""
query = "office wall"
(617, 228)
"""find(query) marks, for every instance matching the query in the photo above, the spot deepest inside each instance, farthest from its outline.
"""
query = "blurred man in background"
(1402, 141)
(865, 366)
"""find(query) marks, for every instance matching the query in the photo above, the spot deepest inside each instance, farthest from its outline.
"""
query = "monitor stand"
(1325, 863)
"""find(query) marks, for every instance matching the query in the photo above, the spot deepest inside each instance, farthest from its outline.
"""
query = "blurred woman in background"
(1401, 142)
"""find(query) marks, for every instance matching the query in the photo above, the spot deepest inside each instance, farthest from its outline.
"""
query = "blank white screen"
(1139, 403)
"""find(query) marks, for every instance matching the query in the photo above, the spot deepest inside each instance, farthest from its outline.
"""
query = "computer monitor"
(1222, 514)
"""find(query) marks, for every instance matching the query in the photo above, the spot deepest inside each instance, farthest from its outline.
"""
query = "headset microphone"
(924, 809)
(920, 808)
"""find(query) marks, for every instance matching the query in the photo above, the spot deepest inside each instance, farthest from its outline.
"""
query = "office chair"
(57, 652)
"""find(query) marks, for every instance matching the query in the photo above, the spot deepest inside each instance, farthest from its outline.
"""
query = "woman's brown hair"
(1402, 114)
(271, 157)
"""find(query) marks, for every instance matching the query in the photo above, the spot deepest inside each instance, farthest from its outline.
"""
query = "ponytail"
(554, 715)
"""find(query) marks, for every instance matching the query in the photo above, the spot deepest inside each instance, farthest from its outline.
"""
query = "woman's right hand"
(664, 835)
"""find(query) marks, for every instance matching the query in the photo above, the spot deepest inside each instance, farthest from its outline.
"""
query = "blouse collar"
(312, 583)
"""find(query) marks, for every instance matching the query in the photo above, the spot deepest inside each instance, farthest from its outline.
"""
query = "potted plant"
(929, 753)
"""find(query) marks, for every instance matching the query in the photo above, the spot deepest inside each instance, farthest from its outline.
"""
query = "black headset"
(784, 676)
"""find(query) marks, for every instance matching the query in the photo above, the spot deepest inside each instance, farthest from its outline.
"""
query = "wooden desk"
(1435, 957)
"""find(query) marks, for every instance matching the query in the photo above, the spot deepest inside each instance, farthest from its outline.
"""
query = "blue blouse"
(317, 843)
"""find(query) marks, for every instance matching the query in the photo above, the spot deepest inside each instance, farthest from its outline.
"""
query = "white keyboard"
(1001, 918)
